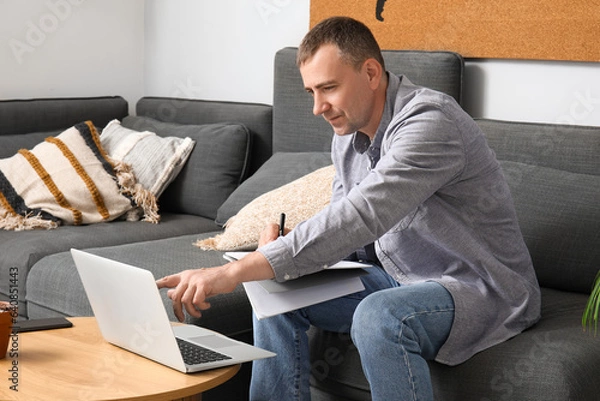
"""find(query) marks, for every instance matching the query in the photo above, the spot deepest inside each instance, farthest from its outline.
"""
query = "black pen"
(282, 225)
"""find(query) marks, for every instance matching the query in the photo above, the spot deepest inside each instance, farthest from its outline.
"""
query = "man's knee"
(398, 315)
(374, 319)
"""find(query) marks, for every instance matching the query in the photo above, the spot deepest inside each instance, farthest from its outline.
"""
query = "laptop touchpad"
(212, 341)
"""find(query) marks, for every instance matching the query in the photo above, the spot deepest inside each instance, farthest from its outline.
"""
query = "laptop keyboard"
(194, 354)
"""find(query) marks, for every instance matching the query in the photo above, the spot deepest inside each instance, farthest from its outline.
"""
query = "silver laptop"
(131, 314)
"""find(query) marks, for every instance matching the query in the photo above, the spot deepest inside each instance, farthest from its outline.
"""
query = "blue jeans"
(395, 328)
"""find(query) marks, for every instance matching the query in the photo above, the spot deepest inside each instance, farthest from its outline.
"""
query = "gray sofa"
(553, 172)
(232, 140)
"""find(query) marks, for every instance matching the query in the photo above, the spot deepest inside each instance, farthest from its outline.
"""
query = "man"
(418, 194)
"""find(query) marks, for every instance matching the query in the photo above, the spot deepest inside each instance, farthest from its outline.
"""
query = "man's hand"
(190, 289)
(270, 234)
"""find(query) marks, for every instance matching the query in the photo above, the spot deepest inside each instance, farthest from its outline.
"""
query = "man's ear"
(374, 71)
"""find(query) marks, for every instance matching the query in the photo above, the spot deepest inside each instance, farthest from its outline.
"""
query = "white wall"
(224, 50)
(64, 48)
(220, 50)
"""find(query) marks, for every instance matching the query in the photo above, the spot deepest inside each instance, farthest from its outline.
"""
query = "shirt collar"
(361, 141)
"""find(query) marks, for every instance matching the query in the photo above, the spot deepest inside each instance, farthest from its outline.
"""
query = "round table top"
(78, 364)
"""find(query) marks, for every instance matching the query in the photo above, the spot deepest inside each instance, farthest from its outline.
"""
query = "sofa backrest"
(554, 175)
(296, 129)
(33, 119)
(256, 117)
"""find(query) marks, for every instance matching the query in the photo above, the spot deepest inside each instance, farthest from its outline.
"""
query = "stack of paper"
(270, 298)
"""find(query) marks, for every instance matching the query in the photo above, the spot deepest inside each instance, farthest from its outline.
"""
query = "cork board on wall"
(512, 29)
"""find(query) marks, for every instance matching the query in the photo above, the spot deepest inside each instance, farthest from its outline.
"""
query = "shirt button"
(287, 277)
(325, 266)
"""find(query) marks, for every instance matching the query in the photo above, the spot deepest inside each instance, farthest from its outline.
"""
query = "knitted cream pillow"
(299, 200)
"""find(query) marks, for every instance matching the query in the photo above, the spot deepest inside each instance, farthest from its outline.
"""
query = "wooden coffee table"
(78, 364)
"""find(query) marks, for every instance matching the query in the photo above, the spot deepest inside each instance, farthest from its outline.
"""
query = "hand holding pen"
(272, 231)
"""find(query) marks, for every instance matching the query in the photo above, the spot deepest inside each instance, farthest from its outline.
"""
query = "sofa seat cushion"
(216, 166)
(553, 360)
(48, 280)
(19, 251)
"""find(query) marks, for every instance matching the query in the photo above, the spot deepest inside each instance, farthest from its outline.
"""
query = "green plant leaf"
(589, 319)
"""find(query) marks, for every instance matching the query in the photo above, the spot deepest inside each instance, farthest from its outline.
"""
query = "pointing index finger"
(168, 281)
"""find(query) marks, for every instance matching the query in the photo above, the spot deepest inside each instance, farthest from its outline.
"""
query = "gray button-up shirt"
(429, 192)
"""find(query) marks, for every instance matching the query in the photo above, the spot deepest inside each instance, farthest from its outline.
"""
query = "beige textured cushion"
(67, 179)
(156, 161)
(299, 200)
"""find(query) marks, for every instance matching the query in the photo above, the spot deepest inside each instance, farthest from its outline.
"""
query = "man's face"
(342, 95)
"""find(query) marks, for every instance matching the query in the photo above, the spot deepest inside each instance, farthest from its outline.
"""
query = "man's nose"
(320, 105)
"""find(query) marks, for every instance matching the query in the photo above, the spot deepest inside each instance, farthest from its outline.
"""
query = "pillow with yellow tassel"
(69, 179)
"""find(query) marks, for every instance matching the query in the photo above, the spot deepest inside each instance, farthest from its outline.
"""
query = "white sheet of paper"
(266, 304)
(269, 297)
(343, 264)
